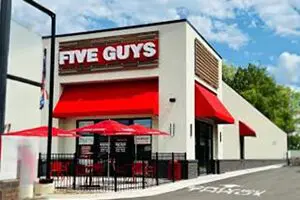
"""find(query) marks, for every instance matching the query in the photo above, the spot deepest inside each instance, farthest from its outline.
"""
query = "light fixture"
(172, 129)
(172, 100)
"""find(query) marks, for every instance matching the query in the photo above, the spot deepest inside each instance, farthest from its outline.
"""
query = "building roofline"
(137, 26)
(194, 28)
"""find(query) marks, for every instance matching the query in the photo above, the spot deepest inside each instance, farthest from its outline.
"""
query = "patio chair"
(98, 169)
(150, 171)
(59, 168)
(137, 170)
(81, 170)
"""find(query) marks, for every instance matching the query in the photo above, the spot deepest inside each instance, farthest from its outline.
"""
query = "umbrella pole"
(108, 158)
(135, 148)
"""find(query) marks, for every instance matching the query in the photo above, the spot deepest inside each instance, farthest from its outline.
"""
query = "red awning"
(104, 99)
(207, 105)
(245, 130)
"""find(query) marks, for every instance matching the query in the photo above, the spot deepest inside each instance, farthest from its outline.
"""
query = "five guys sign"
(110, 53)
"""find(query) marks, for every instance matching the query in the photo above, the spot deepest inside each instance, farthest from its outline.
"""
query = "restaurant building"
(161, 75)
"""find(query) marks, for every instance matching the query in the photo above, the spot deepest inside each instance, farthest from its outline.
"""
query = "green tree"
(295, 101)
(260, 89)
(294, 142)
(228, 72)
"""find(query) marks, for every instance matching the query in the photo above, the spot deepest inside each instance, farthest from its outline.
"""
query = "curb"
(157, 190)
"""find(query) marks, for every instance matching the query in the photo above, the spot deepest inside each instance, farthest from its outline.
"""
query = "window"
(98, 144)
(144, 122)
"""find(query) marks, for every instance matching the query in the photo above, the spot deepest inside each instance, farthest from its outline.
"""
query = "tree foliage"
(294, 142)
(277, 102)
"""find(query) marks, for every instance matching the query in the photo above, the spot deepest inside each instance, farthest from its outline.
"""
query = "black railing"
(91, 173)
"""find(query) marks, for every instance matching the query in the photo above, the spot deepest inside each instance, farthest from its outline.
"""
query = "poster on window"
(85, 150)
(145, 139)
(103, 147)
(120, 145)
(86, 140)
(85, 123)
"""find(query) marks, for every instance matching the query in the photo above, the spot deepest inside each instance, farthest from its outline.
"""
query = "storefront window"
(133, 148)
(144, 122)
(86, 142)
(143, 144)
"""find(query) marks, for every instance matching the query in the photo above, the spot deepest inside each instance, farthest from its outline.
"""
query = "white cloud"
(288, 69)
(282, 16)
(279, 15)
(253, 24)
(220, 32)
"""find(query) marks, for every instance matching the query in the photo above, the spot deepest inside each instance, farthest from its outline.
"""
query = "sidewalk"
(156, 190)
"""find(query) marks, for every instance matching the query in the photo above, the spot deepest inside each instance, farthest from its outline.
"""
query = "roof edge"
(139, 26)
(119, 28)
(194, 28)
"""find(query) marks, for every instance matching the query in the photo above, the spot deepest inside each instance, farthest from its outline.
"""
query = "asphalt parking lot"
(277, 184)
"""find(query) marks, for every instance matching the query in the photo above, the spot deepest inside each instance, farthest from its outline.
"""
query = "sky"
(264, 32)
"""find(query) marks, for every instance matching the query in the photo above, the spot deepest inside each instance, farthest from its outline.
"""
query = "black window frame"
(131, 121)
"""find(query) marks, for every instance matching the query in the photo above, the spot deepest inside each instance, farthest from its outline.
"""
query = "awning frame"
(204, 108)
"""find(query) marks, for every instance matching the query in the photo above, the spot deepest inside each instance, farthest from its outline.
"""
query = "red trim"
(207, 105)
(109, 98)
(245, 130)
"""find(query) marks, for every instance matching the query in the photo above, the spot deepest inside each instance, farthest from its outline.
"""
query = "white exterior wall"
(270, 141)
(191, 35)
(172, 75)
(22, 108)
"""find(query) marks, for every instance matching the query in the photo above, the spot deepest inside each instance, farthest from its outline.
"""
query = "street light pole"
(51, 81)
(5, 15)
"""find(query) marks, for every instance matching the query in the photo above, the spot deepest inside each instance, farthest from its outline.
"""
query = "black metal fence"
(114, 174)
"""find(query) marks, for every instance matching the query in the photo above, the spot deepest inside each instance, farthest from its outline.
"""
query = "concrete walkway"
(161, 189)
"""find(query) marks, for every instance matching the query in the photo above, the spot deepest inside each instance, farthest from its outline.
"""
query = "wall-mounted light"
(220, 136)
(172, 100)
(191, 130)
(172, 129)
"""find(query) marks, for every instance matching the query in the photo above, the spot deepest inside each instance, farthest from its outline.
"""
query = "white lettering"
(80, 55)
(258, 193)
(196, 188)
(149, 49)
(227, 190)
(136, 49)
(210, 189)
(64, 55)
(230, 189)
(123, 52)
(109, 53)
(245, 192)
(71, 57)
(92, 55)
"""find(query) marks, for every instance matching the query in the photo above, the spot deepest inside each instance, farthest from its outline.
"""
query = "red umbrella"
(108, 128)
(142, 130)
(42, 131)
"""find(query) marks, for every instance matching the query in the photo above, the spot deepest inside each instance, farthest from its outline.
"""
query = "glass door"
(203, 147)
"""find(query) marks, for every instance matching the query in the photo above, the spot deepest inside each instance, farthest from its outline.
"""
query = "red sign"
(120, 53)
